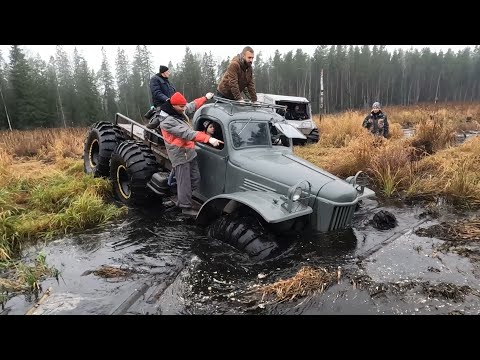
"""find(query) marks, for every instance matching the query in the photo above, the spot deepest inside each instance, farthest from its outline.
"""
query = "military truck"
(253, 188)
(298, 113)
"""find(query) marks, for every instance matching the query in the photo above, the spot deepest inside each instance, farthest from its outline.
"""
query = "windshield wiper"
(248, 122)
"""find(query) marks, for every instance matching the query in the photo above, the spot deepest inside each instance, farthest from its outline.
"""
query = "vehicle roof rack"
(257, 104)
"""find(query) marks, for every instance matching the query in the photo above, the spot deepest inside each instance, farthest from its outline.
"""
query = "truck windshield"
(250, 133)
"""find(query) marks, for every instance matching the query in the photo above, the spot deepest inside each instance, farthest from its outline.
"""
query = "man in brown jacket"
(239, 75)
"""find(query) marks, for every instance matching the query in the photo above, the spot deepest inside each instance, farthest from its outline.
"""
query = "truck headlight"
(297, 194)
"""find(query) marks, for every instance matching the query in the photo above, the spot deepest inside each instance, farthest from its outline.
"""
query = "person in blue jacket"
(161, 87)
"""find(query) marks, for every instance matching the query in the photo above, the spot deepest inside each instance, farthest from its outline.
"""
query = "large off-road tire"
(131, 168)
(313, 137)
(101, 141)
(246, 234)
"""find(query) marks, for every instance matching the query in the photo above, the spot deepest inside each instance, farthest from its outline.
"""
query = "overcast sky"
(163, 54)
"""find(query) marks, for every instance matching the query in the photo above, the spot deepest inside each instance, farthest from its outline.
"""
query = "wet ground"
(461, 136)
(166, 265)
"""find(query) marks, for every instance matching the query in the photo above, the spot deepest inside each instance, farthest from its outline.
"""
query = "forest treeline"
(66, 92)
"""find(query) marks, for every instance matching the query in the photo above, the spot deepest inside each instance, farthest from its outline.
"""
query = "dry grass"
(451, 173)
(440, 133)
(460, 113)
(46, 202)
(390, 166)
(338, 130)
(425, 165)
(5, 161)
(307, 282)
(27, 153)
(462, 230)
(44, 193)
(111, 272)
(43, 144)
(25, 277)
(47, 194)
(342, 161)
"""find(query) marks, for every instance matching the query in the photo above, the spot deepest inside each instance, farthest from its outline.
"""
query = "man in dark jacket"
(180, 143)
(239, 75)
(376, 122)
(160, 87)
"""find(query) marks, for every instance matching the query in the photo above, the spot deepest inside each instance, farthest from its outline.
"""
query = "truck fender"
(267, 205)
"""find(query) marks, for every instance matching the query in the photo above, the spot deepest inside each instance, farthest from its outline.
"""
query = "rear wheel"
(246, 234)
(131, 168)
(101, 141)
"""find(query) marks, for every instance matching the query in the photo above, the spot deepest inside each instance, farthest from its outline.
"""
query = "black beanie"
(163, 68)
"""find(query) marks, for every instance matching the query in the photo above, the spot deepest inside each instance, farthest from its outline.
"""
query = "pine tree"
(87, 97)
(126, 101)
(44, 101)
(66, 90)
(276, 76)
(54, 92)
(139, 85)
(260, 73)
(37, 94)
(19, 96)
(4, 116)
(107, 89)
(190, 82)
(301, 63)
(208, 82)
(221, 68)
(319, 63)
(146, 72)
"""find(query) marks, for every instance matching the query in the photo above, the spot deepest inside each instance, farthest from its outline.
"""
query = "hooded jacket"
(178, 133)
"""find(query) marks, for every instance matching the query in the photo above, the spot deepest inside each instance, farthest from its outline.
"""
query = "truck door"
(213, 164)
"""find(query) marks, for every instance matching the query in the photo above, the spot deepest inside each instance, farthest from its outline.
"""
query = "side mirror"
(289, 131)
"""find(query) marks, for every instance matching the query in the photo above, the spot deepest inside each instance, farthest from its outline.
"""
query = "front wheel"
(246, 234)
(131, 168)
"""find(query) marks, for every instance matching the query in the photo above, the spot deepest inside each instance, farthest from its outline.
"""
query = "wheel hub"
(93, 153)
(123, 181)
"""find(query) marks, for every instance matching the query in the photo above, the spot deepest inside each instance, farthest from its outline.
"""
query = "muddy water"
(460, 136)
(173, 268)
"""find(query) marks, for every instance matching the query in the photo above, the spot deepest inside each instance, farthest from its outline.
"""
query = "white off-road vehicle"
(298, 113)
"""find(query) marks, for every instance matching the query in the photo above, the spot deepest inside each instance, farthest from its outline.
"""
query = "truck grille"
(341, 217)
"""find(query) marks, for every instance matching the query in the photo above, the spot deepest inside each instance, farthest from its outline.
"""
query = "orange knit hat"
(178, 99)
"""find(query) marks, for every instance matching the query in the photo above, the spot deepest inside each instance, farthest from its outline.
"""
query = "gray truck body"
(250, 170)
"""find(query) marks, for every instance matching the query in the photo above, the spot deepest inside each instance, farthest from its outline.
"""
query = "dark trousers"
(188, 180)
(219, 94)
